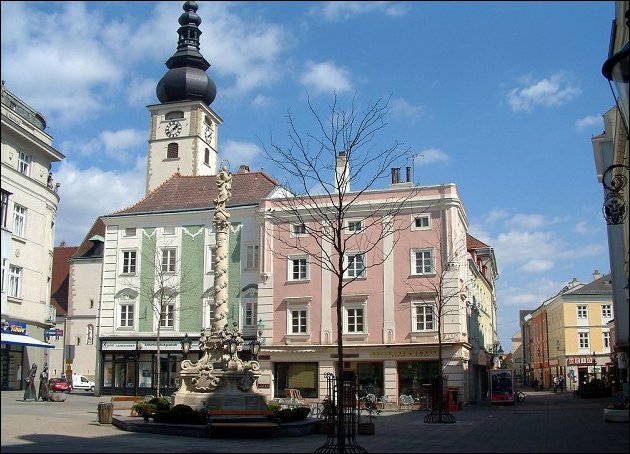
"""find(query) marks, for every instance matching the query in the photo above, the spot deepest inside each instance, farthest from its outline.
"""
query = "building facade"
(29, 208)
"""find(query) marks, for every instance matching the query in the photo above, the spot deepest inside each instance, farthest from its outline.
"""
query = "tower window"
(174, 115)
(206, 158)
(172, 151)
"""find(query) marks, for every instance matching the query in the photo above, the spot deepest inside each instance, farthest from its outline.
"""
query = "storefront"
(17, 352)
(129, 367)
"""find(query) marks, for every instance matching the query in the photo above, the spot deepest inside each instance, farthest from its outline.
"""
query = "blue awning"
(23, 340)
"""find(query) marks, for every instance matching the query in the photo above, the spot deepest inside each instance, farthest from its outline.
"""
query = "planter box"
(612, 415)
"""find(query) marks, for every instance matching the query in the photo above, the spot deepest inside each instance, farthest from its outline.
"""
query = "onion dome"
(186, 78)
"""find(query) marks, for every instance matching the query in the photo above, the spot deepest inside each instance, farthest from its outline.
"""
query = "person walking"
(535, 383)
(561, 383)
(555, 383)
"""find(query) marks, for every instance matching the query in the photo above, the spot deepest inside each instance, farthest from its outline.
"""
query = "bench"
(229, 423)
(126, 403)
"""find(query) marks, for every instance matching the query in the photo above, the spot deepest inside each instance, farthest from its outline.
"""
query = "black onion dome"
(186, 79)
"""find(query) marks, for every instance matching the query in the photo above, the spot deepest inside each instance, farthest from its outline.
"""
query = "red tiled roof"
(61, 277)
(198, 192)
(89, 248)
(474, 243)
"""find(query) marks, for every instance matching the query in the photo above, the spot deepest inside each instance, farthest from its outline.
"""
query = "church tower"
(184, 129)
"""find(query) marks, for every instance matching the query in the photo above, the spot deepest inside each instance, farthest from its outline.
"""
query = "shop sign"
(9, 326)
(404, 353)
(55, 332)
(118, 345)
(584, 360)
(170, 345)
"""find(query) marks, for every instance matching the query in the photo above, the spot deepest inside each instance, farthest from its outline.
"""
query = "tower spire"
(186, 79)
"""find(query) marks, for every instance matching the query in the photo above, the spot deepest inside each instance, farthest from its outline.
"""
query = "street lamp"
(186, 343)
(617, 71)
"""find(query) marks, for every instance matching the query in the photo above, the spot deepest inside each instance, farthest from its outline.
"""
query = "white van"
(80, 382)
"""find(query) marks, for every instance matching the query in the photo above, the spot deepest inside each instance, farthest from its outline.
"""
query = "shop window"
(300, 376)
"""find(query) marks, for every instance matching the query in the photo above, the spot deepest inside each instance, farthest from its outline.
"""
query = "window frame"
(14, 284)
(250, 312)
(211, 252)
(414, 261)
(130, 304)
(347, 268)
(298, 308)
(607, 311)
(582, 312)
(347, 307)
(252, 261)
(428, 311)
(351, 225)
(130, 232)
(606, 340)
(584, 341)
(291, 266)
(172, 150)
(171, 262)
(134, 265)
(303, 230)
(24, 163)
(5, 208)
(414, 225)
(169, 316)
(19, 220)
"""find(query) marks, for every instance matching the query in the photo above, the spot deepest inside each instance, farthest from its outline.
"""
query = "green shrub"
(180, 414)
(161, 403)
(292, 414)
(273, 407)
(144, 409)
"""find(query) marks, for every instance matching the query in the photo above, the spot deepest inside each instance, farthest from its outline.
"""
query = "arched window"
(174, 115)
(206, 158)
(172, 151)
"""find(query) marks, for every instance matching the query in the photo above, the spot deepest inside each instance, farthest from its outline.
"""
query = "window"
(174, 115)
(606, 339)
(126, 315)
(583, 340)
(91, 304)
(169, 257)
(421, 261)
(581, 312)
(24, 163)
(298, 229)
(172, 151)
(210, 259)
(421, 222)
(206, 157)
(298, 268)
(19, 219)
(298, 321)
(355, 318)
(168, 316)
(15, 280)
(355, 265)
(250, 313)
(5, 207)
(129, 262)
(130, 232)
(354, 226)
(422, 316)
(251, 257)
(606, 311)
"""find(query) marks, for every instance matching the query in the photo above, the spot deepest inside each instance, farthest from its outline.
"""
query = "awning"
(23, 340)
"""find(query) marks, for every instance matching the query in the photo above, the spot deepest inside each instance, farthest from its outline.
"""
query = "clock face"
(208, 133)
(173, 129)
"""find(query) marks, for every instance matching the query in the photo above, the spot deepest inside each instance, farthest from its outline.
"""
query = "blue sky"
(500, 98)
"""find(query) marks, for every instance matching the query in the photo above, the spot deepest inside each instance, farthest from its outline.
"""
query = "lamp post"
(186, 343)
(256, 343)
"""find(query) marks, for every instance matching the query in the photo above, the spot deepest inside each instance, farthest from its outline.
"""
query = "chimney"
(342, 173)
(573, 282)
(596, 275)
(395, 175)
(408, 174)
(243, 169)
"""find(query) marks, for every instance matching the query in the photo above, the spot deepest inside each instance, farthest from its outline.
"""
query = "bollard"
(105, 412)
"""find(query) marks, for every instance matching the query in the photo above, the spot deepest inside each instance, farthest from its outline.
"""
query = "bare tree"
(443, 299)
(321, 167)
(169, 280)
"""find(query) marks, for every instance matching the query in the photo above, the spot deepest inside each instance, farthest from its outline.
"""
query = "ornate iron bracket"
(615, 209)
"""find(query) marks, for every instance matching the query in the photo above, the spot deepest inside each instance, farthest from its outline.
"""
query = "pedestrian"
(555, 383)
(561, 383)
(535, 383)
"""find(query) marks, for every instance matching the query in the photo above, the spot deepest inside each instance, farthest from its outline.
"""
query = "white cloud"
(431, 156)
(83, 198)
(325, 77)
(582, 228)
(340, 11)
(589, 121)
(261, 101)
(401, 108)
(116, 142)
(120, 145)
(537, 266)
(238, 153)
(527, 221)
(141, 91)
(531, 295)
(553, 91)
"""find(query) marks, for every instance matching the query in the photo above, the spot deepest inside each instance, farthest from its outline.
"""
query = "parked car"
(59, 384)
(81, 382)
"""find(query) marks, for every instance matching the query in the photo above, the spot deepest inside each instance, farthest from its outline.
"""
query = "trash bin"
(452, 399)
(105, 412)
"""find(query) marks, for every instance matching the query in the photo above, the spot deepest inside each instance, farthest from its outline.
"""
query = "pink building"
(388, 313)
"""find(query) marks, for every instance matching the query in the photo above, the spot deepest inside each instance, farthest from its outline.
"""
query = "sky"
(500, 98)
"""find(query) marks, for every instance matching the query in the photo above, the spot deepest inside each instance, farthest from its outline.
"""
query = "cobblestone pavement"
(546, 422)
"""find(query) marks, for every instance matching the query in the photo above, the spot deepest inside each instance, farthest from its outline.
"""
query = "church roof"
(182, 193)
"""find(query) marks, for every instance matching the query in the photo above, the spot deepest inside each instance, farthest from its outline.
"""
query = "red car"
(59, 384)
